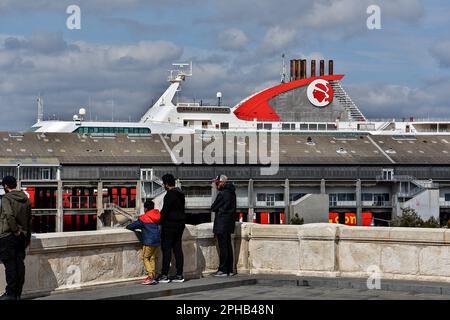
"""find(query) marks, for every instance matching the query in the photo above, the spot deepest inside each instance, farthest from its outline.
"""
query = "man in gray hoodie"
(15, 235)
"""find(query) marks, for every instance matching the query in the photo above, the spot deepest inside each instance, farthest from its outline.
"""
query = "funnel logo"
(320, 93)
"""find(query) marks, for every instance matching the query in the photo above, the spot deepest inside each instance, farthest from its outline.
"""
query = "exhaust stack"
(322, 68)
(299, 69)
(313, 68)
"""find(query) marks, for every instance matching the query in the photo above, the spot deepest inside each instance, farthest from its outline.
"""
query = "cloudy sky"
(117, 63)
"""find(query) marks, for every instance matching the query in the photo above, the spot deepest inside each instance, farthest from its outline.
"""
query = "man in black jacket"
(224, 223)
(172, 222)
(15, 234)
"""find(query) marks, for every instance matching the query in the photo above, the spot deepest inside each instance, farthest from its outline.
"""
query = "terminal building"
(76, 181)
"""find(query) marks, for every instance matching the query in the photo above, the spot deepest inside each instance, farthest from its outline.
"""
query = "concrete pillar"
(59, 203)
(100, 209)
(139, 197)
(396, 188)
(358, 203)
(19, 182)
(322, 187)
(251, 201)
(287, 214)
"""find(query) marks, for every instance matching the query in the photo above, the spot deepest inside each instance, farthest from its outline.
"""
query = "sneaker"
(148, 281)
(7, 297)
(178, 278)
(220, 274)
(232, 274)
(164, 279)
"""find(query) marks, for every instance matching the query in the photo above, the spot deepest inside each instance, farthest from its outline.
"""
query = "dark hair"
(149, 205)
(168, 179)
(10, 182)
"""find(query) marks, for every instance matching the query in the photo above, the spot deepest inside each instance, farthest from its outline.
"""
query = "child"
(151, 238)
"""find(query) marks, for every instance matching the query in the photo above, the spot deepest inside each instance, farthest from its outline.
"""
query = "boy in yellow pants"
(151, 239)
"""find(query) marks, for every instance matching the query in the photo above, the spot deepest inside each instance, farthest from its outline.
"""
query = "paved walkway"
(259, 292)
(263, 288)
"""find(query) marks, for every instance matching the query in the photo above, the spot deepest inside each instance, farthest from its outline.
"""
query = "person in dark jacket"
(173, 219)
(224, 223)
(15, 235)
(151, 239)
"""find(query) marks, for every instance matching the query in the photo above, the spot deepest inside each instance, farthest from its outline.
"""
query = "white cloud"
(233, 39)
(278, 38)
(430, 99)
(441, 51)
(129, 74)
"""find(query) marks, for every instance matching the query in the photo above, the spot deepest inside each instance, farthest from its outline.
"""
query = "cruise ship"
(304, 101)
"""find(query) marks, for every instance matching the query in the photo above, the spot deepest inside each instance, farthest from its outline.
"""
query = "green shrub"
(297, 220)
(411, 219)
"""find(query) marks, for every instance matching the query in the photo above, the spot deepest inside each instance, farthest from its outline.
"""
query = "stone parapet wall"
(60, 261)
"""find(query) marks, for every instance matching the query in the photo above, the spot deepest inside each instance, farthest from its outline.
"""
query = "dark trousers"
(12, 255)
(225, 252)
(171, 241)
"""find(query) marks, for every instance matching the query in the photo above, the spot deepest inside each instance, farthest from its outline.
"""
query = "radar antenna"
(179, 73)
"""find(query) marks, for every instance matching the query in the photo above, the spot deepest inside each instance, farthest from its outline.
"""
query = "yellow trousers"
(149, 254)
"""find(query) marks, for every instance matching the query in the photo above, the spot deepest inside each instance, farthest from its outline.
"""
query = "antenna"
(179, 72)
(40, 106)
(283, 71)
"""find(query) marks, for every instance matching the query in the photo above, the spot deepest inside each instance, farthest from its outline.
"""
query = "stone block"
(319, 230)
(317, 255)
(274, 255)
(364, 233)
(358, 257)
(401, 259)
(417, 234)
(435, 261)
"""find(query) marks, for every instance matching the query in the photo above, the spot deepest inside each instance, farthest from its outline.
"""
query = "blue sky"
(125, 47)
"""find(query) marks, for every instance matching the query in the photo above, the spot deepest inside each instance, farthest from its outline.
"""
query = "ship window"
(303, 126)
(267, 126)
(286, 126)
(312, 126)
(259, 126)
(331, 126)
(224, 125)
(292, 126)
(322, 126)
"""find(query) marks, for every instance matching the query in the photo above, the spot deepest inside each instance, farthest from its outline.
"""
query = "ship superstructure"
(302, 102)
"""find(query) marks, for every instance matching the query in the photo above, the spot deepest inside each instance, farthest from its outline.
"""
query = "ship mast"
(40, 108)
(283, 71)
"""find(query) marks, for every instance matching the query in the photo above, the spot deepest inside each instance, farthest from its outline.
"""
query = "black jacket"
(225, 208)
(172, 212)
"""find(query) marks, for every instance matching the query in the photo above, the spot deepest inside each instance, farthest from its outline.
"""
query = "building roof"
(292, 149)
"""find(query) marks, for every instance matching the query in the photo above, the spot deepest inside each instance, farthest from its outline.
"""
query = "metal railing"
(377, 203)
(269, 203)
(80, 202)
(198, 201)
(333, 203)
(444, 203)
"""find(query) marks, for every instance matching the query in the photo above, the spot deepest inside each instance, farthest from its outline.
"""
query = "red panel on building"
(333, 217)
(350, 219)
(257, 107)
(366, 218)
(264, 218)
